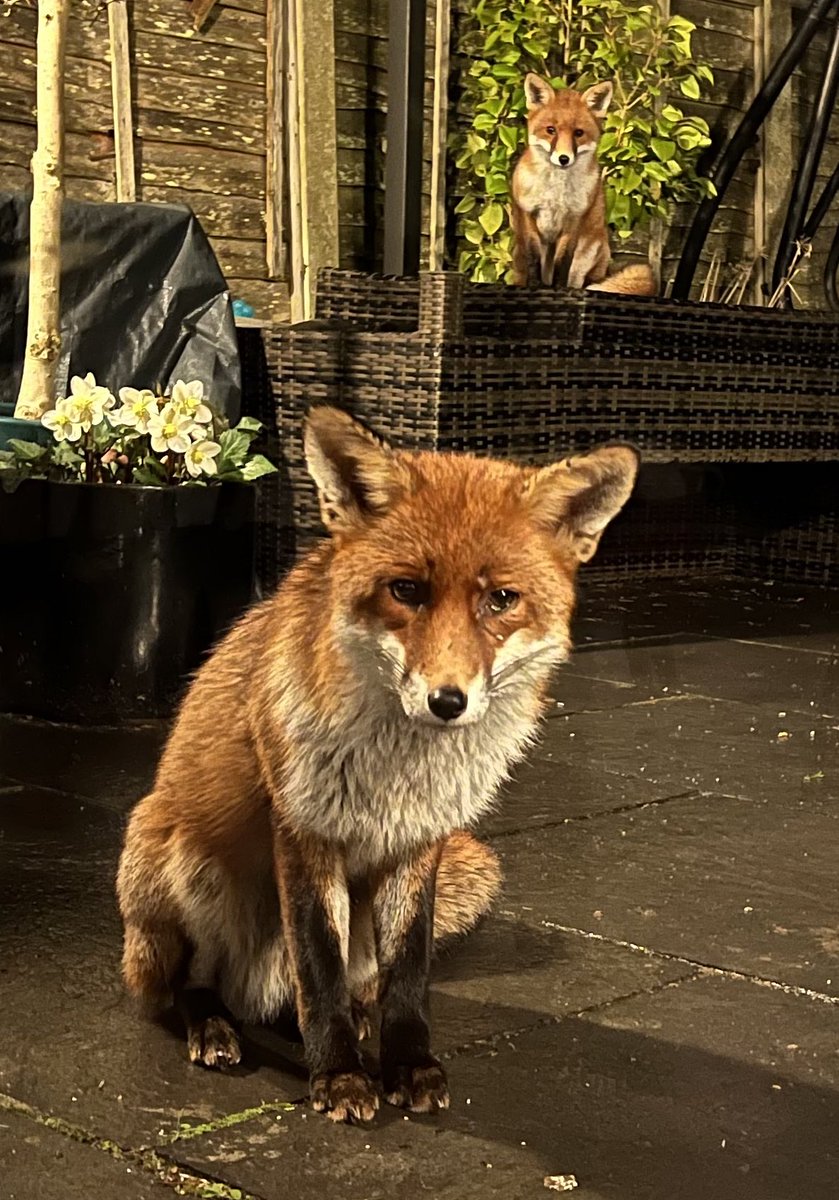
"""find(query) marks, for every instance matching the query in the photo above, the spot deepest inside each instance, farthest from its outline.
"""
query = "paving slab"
(778, 677)
(777, 614)
(684, 743)
(115, 767)
(557, 784)
(39, 1162)
(73, 1043)
(737, 883)
(712, 1088)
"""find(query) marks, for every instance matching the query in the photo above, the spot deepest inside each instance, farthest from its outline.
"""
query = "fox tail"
(635, 280)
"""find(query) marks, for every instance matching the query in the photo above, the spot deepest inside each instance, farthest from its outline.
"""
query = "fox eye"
(550, 130)
(501, 600)
(578, 133)
(411, 592)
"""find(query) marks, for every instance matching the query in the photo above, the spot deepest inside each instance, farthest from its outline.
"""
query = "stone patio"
(653, 1009)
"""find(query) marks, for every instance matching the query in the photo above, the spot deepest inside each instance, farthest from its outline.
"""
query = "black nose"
(564, 160)
(447, 703)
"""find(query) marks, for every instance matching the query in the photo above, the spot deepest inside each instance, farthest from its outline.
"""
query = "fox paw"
(214, 1043)
(345, 1096)
(422, 1089)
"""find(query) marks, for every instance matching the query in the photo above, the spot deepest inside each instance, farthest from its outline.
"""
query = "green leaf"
(149, 475)
(671, 113)
(29, 452)
(257, 466)
(248, 425)
(509, 136)
(663, 148)
(690, 88)
(235, 444)
(492, 218)
(466, 204)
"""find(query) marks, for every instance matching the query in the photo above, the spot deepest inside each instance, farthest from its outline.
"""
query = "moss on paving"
(185, 1130)
(183, 1183)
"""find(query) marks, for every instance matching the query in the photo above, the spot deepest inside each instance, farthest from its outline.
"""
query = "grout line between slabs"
(182, 1181)
(775, 985)
(548, 1020)
(693, 794)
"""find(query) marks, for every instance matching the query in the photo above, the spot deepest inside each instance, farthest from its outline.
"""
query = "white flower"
(138, 407)
(170, 430)
(201, 456)
(188, 398)
(64, 421)
(90, 400)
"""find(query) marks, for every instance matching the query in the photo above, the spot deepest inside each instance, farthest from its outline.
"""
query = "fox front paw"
(345, 1095)
(422, 1089)
(214, 1043)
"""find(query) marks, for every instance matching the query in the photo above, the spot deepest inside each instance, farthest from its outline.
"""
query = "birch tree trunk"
(43, 338)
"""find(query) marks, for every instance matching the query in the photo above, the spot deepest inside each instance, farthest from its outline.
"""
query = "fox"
(558, 205)
(308, 840)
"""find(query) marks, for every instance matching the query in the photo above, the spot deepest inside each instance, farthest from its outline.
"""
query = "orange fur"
(306, 772)
(558, 205)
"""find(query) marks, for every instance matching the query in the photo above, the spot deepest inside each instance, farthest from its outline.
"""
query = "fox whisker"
(505, 675)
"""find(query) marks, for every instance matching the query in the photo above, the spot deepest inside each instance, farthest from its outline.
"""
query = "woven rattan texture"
(439, 363)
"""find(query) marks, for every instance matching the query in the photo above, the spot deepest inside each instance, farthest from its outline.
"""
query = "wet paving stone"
(785, 678)
(710, 1088)
(115, 767)
(742, 884)
(36, 1162)
(74, 1044)
(683, 744)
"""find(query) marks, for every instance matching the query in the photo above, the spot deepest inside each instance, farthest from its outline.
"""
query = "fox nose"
(564, 160)
(447, 703)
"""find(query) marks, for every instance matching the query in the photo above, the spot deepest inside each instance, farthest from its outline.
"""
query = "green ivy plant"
(650, 146)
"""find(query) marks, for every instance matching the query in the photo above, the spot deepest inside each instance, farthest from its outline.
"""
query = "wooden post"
(275, 156)
(312, 148)
(773, 29)
(43, 333)
(439, 135)
(121, 93)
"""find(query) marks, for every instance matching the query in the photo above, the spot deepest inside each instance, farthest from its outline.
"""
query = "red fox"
(305, 843)
(558, 210)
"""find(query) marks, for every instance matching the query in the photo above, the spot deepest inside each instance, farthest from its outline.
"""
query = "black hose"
(743, 137)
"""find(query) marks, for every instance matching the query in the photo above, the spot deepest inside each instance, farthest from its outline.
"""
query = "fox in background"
(305, 844)
(558, 209)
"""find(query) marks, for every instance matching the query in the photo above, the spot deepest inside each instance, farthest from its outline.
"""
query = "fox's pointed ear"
(598, 98)
(578, 497)
(537, 91)
(357, 474)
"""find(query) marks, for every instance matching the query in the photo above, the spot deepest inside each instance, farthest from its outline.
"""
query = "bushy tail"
(635, 280)
(468, 880)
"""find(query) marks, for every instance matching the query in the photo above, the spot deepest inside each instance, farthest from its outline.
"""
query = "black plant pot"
(110, 596)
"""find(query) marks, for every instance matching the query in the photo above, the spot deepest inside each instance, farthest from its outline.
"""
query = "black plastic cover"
(143, 299)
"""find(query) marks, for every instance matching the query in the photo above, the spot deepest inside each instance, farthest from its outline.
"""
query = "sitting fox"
(306, 842)
(559, 210)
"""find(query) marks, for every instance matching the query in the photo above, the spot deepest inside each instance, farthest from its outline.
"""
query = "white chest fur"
(559, 197)
(380, 783)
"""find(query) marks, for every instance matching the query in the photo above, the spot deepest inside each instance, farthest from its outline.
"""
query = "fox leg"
(526, 248)
(403, 912)
(589, 264)
(315, 904)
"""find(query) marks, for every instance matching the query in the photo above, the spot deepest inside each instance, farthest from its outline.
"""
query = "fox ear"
(598, 98)
(578, 497)
(537, 91)
(356, 473)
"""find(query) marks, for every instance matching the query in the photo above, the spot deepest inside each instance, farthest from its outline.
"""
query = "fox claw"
(345, 1096)
(421, 1089)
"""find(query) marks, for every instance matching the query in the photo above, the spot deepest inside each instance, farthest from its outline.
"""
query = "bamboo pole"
(275, 130)
(43, 337)
(439, 135)
(121, 95)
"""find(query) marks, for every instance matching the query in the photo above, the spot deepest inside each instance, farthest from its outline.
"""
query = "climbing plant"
(650, 147)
